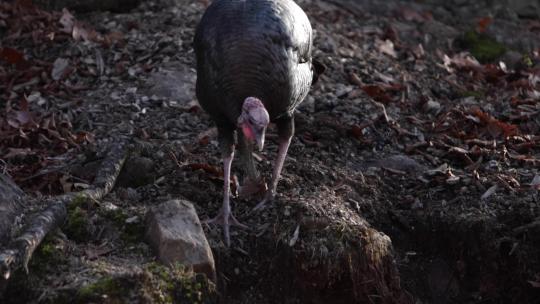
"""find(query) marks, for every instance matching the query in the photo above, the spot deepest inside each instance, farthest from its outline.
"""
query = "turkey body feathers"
(258, 48)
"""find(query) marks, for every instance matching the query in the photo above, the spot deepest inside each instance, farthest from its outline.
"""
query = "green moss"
(133, 232)
(117, 216)
(77, 225)
(106, 287)
(130, 232)
(482, 46)
(78, 201)
(527, 61)
(179, 285)
(48, 255)
(476, 94)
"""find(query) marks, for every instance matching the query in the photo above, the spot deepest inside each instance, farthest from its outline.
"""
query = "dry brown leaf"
(494, 126)
(67, 21)
(410, 14)
(212, 170)
(204, 138)
(462, 61)
(14, 152)
(483, 24)
(386, 47)
(252, 187)
(93, 252)
(11, 56)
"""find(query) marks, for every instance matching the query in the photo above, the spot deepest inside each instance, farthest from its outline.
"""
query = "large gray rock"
(176, 234)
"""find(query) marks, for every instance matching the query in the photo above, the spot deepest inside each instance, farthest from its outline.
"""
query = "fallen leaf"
(462, 61)
(376, 92)
(386, 47)
(93, 252)
(13, 152)
(11, 56)
(489, 192)
(535, 183)
(483, 23)
(252, 187)
(59, 67)
(204, 138)
(357, 132)
(494, 126)
(379, 91)
(410, 14)
(67, 21)
(66, 186)
(295, 235)
(23, 117)
(418, 51)
(213, 170)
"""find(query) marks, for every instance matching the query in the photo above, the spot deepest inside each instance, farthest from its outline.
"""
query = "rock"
(175, 233)
(437, 29)
(526, 8)
(432, 106)
(175, 82)
(137, 171)
(513, 59)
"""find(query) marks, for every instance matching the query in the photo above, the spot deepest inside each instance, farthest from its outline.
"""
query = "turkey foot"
(226, 219)
(271, 192)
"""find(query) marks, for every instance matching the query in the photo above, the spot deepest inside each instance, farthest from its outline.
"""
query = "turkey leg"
(225, 218)
(285, 133)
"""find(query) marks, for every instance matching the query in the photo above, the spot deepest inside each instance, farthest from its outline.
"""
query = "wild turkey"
(254, 66)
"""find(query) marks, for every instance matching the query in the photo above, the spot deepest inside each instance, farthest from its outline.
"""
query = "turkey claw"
(268, 198)
(226, 219)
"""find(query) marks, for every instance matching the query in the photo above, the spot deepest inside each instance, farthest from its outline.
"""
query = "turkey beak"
(259, 139)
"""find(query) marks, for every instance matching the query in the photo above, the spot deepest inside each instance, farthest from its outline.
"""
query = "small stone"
(432, 106)
(132, 220)
(417, 205)
(176, 235)
(131, 90)
(512, 59)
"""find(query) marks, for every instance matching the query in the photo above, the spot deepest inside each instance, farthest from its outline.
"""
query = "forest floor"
(425, 125)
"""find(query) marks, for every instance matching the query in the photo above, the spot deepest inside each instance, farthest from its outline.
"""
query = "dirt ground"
(405, 131)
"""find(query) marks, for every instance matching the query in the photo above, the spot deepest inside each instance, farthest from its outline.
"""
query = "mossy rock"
(482, 46)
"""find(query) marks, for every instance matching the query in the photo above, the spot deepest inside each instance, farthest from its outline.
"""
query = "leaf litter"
(424, 134)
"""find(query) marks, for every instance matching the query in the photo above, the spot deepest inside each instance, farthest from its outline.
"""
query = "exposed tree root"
(19, 252)
(10, 205)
